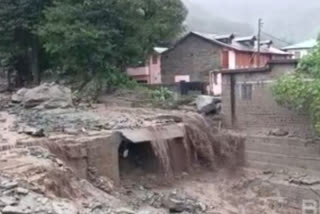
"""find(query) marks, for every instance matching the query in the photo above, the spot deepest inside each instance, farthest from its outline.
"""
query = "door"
(225, 59)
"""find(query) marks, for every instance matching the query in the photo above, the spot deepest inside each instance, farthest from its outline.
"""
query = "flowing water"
(160, 148)
(200, 138)
(200, 144)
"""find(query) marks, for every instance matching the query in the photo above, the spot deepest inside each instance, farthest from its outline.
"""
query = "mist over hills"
(289, 20)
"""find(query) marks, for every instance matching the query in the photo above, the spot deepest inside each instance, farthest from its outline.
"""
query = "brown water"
(160, 148)
(199, 143)
(201, 140)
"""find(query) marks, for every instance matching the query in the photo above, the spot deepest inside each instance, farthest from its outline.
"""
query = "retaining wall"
(269, 152)
(99, 153)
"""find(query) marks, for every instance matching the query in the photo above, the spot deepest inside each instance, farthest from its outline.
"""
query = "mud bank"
(166, 150)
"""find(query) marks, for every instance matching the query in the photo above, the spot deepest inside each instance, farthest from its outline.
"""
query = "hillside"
(200, 19)
(288, 20)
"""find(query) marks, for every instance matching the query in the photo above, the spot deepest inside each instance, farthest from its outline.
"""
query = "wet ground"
(244, 191)
(49, 182)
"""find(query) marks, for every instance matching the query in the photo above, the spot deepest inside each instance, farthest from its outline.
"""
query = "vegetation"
(301, 90)
(88, 40)
(162, 94)
(20, 47)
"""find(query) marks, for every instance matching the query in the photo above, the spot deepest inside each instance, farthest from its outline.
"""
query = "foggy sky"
(289, 19)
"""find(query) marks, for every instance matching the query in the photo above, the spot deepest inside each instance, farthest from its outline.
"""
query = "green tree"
(301, 90)
(99, 38)
(19, 43)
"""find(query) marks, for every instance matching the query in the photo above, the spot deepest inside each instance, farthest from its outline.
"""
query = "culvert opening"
(170, 149)
(137, 160)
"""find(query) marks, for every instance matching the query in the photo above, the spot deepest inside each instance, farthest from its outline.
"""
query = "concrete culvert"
(176, 147)
(136, 160)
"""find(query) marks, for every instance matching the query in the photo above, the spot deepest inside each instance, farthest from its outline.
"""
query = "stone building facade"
(197, 55)
(248, 103)
(192, 59)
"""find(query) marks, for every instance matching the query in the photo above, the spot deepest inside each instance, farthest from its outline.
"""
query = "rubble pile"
(75, 121)
(208, 104)
(175, 202)
(23, 198)
(48, 108)
(44, 96)
(5, 99)
(33, 180)
(15, 199)
(44, 185)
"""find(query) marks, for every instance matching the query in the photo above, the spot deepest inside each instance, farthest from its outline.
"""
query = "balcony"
(138, 71)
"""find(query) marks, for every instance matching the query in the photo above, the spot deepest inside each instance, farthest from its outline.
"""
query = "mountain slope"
(289, 20)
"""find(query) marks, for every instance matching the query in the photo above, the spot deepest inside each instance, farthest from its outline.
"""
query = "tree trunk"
(9, 78)
(34, 61)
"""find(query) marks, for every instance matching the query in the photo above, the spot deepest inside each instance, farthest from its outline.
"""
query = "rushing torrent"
(201, 143)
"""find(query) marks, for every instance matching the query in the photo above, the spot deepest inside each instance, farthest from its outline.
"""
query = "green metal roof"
(302, 45)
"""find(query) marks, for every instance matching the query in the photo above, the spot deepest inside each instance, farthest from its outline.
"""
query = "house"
(150, 72)
(249, 105)
(196, 55)
(277, 138)
(301, 49)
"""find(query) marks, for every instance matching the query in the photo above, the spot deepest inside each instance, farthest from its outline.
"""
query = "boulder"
(208, 104)
(19, 95)
(46, 95)
(125, 211)
(34, 132)
(14, 210)
(151, 210)
(179, 204)
(9, 185)
(22, 191)
(64, 208)
(8, 200)
(279, 132)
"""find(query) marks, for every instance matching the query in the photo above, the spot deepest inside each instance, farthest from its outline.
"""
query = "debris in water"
(201, 143)
(160, 148)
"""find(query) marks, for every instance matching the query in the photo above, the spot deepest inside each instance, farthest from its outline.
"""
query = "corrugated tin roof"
(246, 38)
(266, 68)
(227, 36)
(238, 45)
(266, 42)
(160, 50)
(311, 43)
(211, 37)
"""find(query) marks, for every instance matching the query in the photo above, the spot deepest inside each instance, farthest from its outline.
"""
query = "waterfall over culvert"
(197, 143)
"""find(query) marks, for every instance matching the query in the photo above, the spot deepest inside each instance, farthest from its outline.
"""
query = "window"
(154, 59)
(297, 54)
(142, 81)
(246, 91)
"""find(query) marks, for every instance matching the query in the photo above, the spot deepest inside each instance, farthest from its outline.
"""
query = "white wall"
(217, 87)
(179, 78)
(232, 60)
(303, 52)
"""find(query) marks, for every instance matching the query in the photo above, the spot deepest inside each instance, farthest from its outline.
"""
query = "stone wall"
(261, 113)
(103, 155)
(193, 56)
(88, 154)
(98, 156)
(267, 152)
